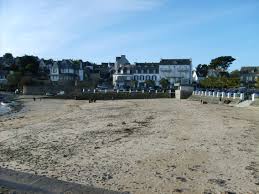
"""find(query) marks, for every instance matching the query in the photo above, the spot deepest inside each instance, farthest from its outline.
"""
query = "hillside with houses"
(16, 72)
(48, 75)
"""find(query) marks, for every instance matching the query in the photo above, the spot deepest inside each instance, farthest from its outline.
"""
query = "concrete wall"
(184, 92)
(35, 90)
(42, 90)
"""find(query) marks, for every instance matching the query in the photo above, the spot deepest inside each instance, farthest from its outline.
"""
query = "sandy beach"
(140, 146)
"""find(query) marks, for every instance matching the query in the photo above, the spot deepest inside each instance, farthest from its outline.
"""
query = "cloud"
(43, 27)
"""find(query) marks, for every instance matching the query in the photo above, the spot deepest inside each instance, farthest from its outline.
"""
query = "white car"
(61, 93)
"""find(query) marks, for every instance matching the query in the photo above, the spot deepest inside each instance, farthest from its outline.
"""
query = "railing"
(232, 95)
(128, 91)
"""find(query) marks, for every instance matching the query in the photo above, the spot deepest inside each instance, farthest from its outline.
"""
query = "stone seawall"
(213, 100)
(116, 96)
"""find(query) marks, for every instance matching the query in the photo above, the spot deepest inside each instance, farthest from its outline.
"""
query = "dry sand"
(141, 146)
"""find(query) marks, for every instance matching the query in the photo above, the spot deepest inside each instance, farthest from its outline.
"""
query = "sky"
(143, 30)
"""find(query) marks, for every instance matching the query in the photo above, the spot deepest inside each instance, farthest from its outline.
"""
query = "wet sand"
(141, 146)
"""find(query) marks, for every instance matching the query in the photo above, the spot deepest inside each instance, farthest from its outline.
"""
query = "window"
(147, 77)
(154, 77)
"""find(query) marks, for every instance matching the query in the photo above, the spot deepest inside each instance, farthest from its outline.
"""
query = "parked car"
(49, 94)
(60, 93)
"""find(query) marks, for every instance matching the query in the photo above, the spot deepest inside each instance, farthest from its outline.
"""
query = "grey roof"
(65, 64)
(147, 64)
(254, 69)
(175, 62)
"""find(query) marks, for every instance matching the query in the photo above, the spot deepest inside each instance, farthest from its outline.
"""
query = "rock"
(207, 191)
(230, 192)
(109, 125)
(181, 179)
(178, 190)
(220, 182)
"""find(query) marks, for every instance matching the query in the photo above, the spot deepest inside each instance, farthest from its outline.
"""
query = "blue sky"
(144, 30)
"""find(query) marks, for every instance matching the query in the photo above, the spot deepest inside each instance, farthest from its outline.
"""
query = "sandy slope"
(142, 146)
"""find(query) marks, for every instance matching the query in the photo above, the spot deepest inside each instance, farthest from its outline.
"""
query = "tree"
(14, 78)
(150, 83)
(257, 82)
(164, 83)
(222, 63)
(8, 56)
(29, 64)
(235, 74)
(220, 82)
(202, 70)
(8, 59)
(133, 83)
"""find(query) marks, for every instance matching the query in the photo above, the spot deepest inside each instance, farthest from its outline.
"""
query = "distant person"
(34, 99)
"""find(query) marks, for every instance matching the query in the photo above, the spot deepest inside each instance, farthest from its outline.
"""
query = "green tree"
(150, 83)
(235, 74)
(202, 70)
(221, 62)
(164, 83)
(29, 64)
(257, 82)
(133, 83)
(14, 79)
(8, 59)
(220, 82)
(8, 56)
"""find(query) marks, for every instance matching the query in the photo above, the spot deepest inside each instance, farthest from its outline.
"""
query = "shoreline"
(9, 104)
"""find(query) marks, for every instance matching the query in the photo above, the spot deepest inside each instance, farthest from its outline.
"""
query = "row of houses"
(176, 71)
(121, 73)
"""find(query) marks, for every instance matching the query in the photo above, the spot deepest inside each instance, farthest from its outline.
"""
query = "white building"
(196, 78)
(176, 71)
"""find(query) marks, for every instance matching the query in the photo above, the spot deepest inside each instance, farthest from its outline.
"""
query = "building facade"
(176, 71)
(66, 70)
(3, 77)
(249, 75)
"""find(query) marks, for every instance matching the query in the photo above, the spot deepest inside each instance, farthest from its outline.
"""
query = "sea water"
(4, 108)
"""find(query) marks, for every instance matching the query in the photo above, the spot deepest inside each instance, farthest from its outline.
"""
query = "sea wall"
(42, 90)
(116, 96)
